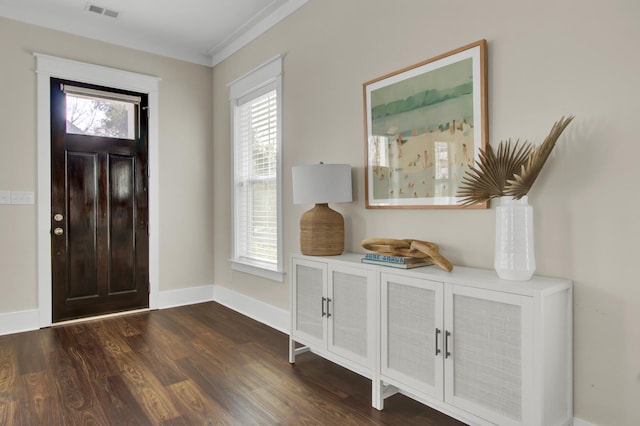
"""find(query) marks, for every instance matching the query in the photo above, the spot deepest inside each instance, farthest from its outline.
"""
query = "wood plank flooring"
(201, 364)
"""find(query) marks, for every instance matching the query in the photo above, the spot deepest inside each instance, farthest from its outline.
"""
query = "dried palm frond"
(523, 179)
(511, 171)
(489, 177)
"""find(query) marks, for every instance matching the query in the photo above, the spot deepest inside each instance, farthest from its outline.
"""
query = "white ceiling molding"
(222, 52)
(204, 32)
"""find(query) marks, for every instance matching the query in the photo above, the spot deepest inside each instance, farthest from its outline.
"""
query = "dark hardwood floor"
(192, 365)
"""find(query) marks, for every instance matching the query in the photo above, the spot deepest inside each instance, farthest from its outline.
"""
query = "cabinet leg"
(292, 351)
(380, 392)
(377, 400)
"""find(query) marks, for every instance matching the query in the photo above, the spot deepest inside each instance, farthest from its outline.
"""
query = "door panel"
(412, 327)
(309, 318)
(350, 313)
(122, 223)
(99, 205)
(348, 331)
(82, 215)
(484, 371)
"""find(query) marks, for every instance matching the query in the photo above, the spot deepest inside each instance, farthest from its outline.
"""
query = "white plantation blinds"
(256, 190)
(256, 173)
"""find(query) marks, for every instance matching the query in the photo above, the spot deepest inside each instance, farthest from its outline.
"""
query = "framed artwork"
(425, 126)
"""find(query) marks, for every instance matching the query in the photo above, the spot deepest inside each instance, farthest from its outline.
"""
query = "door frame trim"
(50, 66)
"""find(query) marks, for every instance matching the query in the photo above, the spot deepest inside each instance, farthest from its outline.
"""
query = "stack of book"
(396, 261)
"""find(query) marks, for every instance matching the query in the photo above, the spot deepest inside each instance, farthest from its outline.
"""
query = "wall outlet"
(5, 197)
(22, 197)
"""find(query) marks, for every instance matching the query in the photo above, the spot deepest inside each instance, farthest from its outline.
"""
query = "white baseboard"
(580, 422)
(262, 312)
(17, 322)
(184, 296)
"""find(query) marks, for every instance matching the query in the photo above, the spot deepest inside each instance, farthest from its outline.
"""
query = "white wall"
(546, 59)
(186, 206)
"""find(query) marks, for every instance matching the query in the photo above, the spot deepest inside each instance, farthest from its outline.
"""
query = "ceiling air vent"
(111, 13)
(102, 10)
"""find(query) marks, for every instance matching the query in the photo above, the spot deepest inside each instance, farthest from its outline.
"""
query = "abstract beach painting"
(425, 125)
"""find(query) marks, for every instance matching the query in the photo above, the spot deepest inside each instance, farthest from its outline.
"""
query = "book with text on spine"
(398, 265)
(394, 259)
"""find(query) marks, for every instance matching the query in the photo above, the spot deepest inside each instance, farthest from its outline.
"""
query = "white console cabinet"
(334, 311)
(481, 349)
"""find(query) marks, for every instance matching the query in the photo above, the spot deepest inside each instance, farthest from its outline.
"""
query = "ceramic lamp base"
(321, 231)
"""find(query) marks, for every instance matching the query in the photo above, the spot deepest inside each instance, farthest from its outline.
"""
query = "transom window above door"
(96, 113)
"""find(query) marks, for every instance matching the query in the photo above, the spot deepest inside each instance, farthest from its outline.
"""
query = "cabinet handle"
(447, 354)
(437, 338)
(323, 313)
(328, 310)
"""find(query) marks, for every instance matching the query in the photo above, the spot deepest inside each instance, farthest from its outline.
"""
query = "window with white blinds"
(255, 101)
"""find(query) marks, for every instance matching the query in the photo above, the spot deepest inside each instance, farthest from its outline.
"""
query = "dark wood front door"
(99, 201)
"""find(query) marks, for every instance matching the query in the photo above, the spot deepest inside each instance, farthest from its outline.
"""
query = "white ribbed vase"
(514, 251)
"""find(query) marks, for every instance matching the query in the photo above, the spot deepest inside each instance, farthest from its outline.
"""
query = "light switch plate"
(5, 197)
(22, 197)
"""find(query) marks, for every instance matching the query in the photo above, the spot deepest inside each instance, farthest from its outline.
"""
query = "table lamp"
(321, 228)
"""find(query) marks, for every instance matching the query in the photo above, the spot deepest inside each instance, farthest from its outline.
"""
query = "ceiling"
(199, 31)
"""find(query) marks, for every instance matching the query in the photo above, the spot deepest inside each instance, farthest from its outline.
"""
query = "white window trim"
(267, 74)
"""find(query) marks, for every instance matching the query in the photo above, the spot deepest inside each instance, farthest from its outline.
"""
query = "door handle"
(447, 334)
(323, 312)
(58, 231)
(437, 338)
(58, 217)
(328, 310)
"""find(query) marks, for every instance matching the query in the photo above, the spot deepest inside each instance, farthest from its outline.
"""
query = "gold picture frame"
(424, 128)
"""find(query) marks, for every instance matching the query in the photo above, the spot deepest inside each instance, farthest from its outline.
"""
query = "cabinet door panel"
(308, 298)
(349, 313)
(484, 370)
(351, 309)
(412, 311)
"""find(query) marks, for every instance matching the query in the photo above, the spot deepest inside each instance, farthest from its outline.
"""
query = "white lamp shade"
(322, 183)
